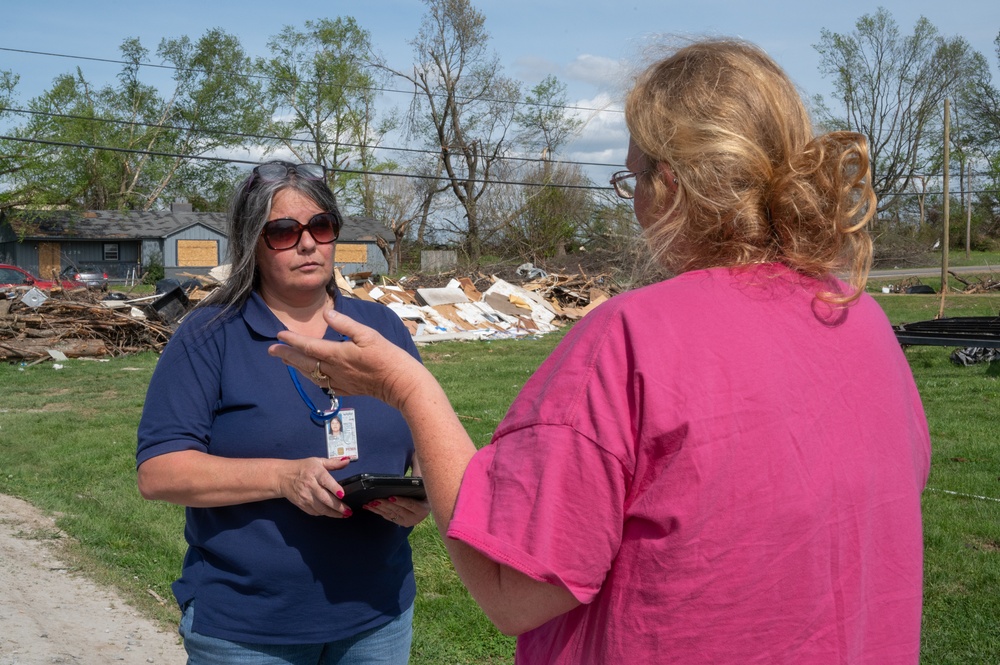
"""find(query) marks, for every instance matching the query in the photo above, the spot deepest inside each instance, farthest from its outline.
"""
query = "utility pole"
(968, 210)
(947, 200)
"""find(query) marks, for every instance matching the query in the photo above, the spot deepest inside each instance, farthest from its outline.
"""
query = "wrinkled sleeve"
(546, 502)
(182, 396)
(548, 496)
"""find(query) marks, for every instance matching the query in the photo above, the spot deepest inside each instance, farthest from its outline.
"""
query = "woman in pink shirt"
(725, 466)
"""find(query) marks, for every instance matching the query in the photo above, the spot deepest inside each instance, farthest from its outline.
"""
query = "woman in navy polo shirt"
(278, 569)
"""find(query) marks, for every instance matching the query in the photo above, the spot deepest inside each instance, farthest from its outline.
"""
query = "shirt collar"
(262, 320)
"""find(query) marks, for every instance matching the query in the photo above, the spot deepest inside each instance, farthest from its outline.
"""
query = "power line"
(270, 78)
(265, 137)
(417, 176)
(229, 160)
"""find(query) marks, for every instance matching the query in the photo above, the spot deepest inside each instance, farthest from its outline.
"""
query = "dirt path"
(48, 614)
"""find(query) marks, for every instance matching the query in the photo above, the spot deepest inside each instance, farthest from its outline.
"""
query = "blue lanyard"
(319, 416)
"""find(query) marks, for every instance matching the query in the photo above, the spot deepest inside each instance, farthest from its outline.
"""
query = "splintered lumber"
(76, 329)
(39, 348)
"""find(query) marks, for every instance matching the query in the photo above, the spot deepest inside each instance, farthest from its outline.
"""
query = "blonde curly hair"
(754, 184)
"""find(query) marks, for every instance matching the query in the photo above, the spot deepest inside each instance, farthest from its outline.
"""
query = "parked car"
(11, 276)
(91, 275)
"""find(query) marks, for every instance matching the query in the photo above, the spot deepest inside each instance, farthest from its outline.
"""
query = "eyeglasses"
(622, 182)
(285, 233)
(273, 171)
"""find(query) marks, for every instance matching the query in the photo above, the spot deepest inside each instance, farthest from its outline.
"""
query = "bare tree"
(398, 203)
(893, 88)
(464, 104)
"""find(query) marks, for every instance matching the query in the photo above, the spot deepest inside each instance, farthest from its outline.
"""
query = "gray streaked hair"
(249, 208)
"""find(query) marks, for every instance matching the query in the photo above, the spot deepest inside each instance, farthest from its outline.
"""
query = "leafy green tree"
(12, 152)
(892, 88)
(125, 146)
(551, 214)
(545, 122)
(212, 108)
(554, 209)
(320, 92)
(982, 99)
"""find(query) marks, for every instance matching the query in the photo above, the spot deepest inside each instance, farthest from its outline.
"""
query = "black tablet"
(365, 487)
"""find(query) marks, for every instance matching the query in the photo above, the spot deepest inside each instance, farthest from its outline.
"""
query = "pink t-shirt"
(721, 468)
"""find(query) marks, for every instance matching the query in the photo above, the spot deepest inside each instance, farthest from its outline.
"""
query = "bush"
(895, 245)
(154, 270)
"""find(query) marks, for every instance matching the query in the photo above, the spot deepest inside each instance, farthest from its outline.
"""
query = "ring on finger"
(318, 374)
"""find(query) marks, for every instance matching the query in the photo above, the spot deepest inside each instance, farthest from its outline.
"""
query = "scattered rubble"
(76, 326)
(36, 326)
(980, 285)
(459, 310)
(914, 285)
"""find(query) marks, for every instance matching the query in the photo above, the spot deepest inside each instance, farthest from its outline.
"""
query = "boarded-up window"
(48, 260)
(351, 253)
(198, 253)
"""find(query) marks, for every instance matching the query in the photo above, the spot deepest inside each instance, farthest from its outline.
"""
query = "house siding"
(145, 237)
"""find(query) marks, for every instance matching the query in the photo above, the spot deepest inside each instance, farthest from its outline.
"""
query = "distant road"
(929, 272)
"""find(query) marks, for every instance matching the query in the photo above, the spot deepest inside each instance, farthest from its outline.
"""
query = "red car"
(11, 276)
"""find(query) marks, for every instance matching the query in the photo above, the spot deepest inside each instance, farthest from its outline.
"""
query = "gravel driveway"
(49, 614)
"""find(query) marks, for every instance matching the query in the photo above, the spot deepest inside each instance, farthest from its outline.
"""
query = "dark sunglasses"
(273, 171)
(285, 233)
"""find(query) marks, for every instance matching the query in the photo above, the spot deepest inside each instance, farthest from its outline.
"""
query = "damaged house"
(125, 243)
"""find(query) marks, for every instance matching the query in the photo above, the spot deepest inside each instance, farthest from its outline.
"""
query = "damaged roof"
(137, 224)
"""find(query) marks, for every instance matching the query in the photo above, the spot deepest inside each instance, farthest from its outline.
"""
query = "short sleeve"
(178, 410)
(547, 502)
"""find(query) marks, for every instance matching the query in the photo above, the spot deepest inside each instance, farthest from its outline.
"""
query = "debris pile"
(460, 310)
(980, 284)
(36, 325)
(977, 285)
(76, 326)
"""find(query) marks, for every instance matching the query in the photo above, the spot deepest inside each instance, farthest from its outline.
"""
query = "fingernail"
(347, 512)
(345, 459)
(340, 494)
(374, 503)
(392, 499)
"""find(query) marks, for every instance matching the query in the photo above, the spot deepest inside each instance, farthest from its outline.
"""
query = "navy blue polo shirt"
(266, 572)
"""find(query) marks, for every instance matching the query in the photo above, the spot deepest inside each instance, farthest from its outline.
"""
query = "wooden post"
(968, 210)
(947, 201)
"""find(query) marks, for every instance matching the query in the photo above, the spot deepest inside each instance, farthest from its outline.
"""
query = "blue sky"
(583, 42)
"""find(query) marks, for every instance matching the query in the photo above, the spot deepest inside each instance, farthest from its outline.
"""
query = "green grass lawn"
(957, 257)
(67, 440)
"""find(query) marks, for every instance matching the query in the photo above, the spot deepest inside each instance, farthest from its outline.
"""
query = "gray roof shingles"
(131, 224)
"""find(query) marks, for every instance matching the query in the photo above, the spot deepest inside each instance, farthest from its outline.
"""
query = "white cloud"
(605, 73)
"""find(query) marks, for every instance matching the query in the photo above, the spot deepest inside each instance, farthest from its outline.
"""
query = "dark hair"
(249, 208)
(754, 185)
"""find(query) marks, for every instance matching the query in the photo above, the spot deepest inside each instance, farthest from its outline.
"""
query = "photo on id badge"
(342, 436)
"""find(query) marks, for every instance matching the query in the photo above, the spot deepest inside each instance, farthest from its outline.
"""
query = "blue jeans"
(388, 644)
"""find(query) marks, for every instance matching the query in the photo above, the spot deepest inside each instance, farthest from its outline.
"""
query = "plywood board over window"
(197, 253)
(350, 253)
(48, 260)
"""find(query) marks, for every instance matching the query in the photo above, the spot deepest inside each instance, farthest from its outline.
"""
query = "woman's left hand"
(400, 510)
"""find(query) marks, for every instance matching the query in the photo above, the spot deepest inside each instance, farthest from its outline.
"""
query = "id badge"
(342, 436)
